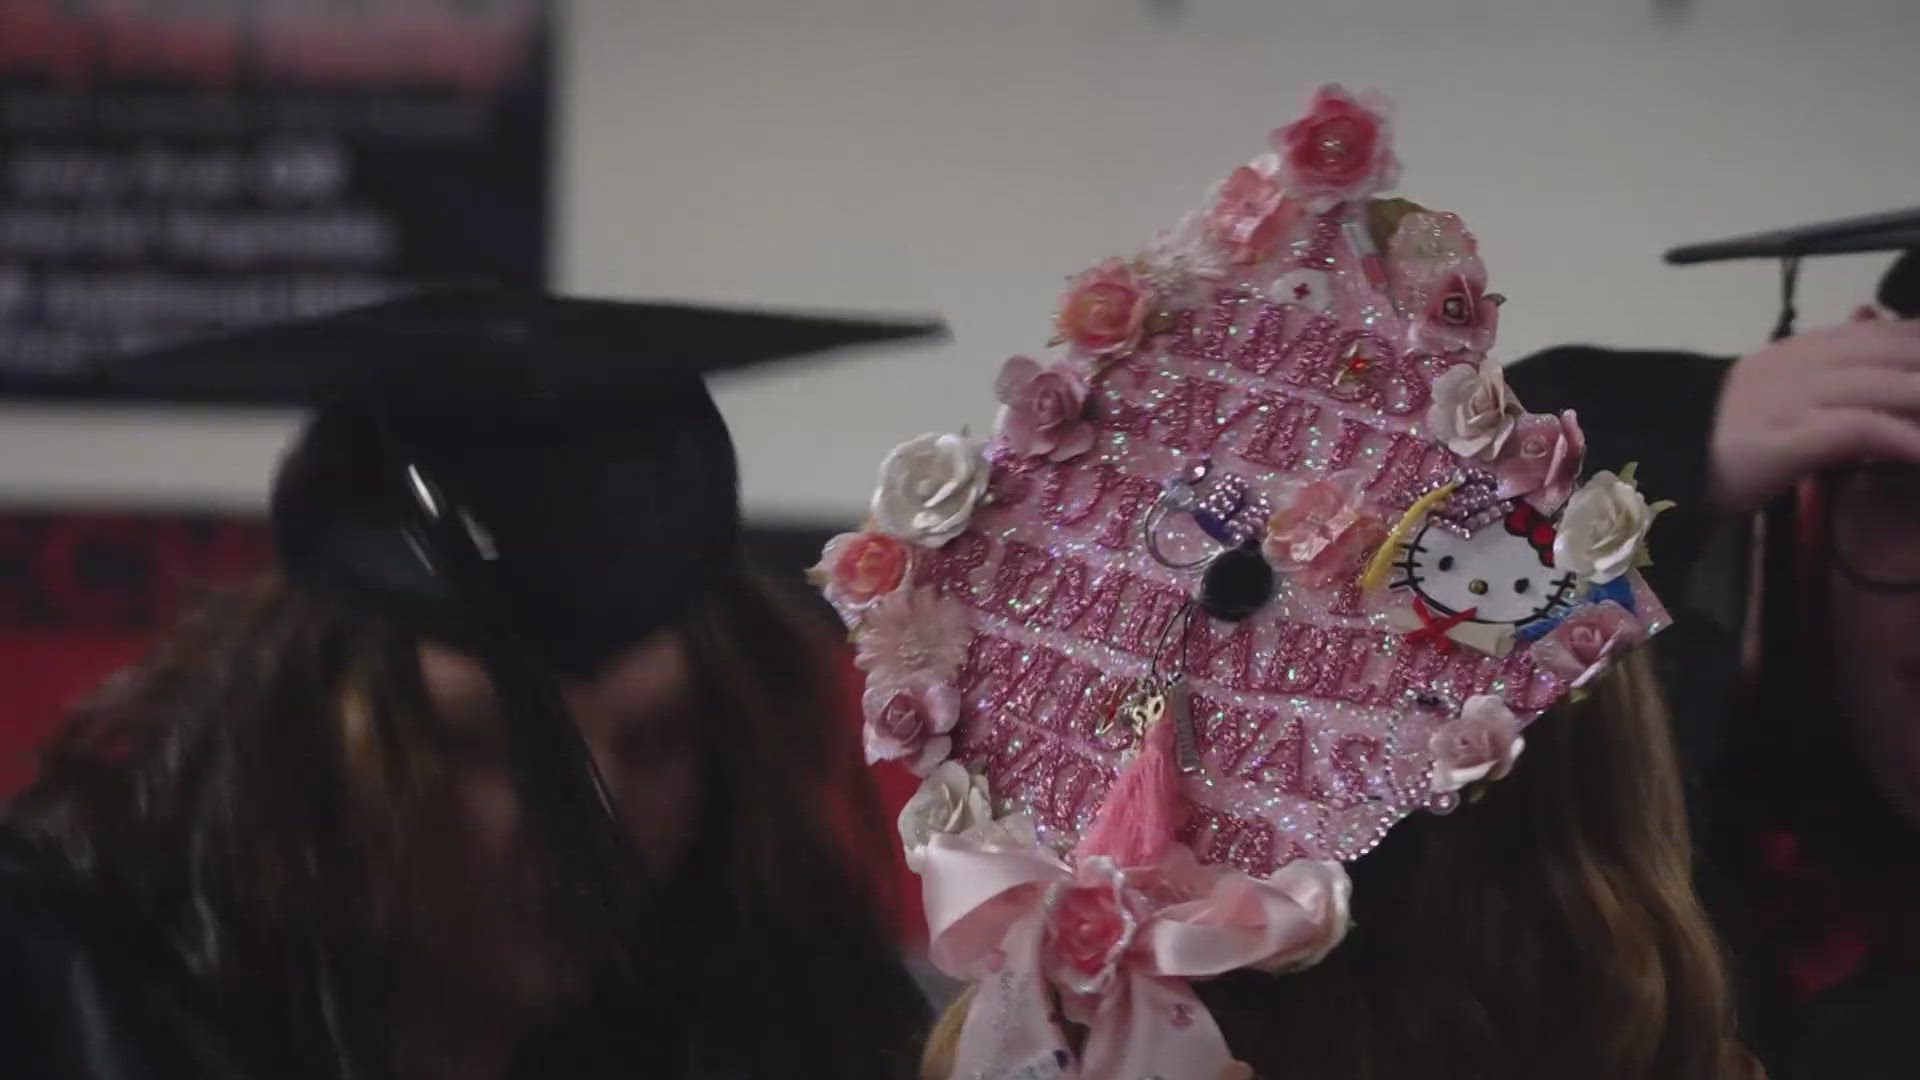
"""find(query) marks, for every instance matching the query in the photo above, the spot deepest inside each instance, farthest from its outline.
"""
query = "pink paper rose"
(1541, 461)
(1461, 315)
(1043, 411)
(911, 638)
(857, 569)
(1251, 213)
(910, 724)
(1479, 744)
(1580, 647)
(1340, 151)
(1437, 281)
(1090, 926)
(1320, 529)
(1104, 309)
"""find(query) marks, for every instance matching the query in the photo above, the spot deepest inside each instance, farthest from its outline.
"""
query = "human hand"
(1844, 393)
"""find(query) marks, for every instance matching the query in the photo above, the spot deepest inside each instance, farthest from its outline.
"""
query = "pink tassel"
(1137, 820)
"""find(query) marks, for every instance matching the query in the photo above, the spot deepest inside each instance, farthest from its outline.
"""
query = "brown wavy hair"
(1549, 929)
(263, 793)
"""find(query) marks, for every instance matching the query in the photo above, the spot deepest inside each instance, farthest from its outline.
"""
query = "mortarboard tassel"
(1136, 820)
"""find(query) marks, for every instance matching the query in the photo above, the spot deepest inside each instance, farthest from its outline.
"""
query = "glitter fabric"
(1313, 719)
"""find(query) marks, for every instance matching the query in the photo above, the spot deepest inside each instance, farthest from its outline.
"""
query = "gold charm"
(1146, 705)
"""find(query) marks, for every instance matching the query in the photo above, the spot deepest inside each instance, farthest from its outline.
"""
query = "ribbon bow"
(1111, 949)
(1435, 627)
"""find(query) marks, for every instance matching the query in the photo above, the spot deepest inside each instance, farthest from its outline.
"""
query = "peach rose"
(858, 568)
(1104, 309)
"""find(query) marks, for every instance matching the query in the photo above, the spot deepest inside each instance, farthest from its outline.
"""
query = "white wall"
(966, 156)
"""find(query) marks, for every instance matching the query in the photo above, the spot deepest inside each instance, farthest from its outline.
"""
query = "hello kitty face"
(1502, 574)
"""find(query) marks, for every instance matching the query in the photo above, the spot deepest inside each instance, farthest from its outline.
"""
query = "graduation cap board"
(1895, 230)
(540, 481)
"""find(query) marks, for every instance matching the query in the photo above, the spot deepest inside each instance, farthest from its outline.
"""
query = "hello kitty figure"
(1483, 589)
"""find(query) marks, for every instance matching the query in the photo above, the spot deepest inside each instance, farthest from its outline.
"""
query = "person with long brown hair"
(1262, 561)
(511, 770)
(1549, 929)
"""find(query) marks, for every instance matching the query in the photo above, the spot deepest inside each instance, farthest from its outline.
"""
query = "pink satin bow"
(1115, 950)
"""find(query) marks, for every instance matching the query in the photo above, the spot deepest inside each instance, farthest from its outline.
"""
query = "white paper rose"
(1473, 411)
(1481, 743)
(928, 488)
(1602, 528)
(950, 800)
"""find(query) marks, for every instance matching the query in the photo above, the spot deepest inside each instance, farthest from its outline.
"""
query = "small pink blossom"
(1580, 647)
(1180, 257)
(857, 569)
(912, 637)
(1250, 213)
(1043, 411)
(1090, 926)
(1479, 744)
(1339, 152)
(1104, 309)
(910, 724)
(1541, 461)
(1321, 529)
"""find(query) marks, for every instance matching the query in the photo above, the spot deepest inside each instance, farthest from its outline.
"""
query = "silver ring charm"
(1150, 533)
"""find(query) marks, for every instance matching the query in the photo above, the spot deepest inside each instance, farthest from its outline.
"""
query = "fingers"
(1832, 436)
(1884, 389)
(1237, 1071)
(1885, 343)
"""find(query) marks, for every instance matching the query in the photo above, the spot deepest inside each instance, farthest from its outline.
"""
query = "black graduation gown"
(88, 996)
(88, 993)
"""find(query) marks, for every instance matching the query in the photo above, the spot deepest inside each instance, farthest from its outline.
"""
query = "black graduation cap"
(573, 439)
(1894, 230)
(539, 480)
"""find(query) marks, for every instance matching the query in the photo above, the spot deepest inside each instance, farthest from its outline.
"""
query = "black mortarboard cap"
(1894, 230)
(575, 439)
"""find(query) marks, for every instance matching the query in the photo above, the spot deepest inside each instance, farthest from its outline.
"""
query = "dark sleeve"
(1654, 408)
(78, 1004)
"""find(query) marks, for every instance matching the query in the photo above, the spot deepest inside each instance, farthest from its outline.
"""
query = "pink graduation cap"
(1262, 557)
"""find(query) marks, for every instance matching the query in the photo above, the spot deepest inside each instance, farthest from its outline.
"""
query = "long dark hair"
(263, 794)
(1548, 929)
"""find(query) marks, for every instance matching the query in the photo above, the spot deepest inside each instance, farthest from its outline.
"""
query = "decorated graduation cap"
(1262, 557)
(1894, 230)
(539, 480)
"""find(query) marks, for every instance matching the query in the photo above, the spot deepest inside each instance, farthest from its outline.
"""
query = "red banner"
(79, 595)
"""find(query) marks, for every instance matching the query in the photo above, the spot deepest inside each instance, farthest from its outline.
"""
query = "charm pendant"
(1145, 704)
(1148, 704)
(1186, 748)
